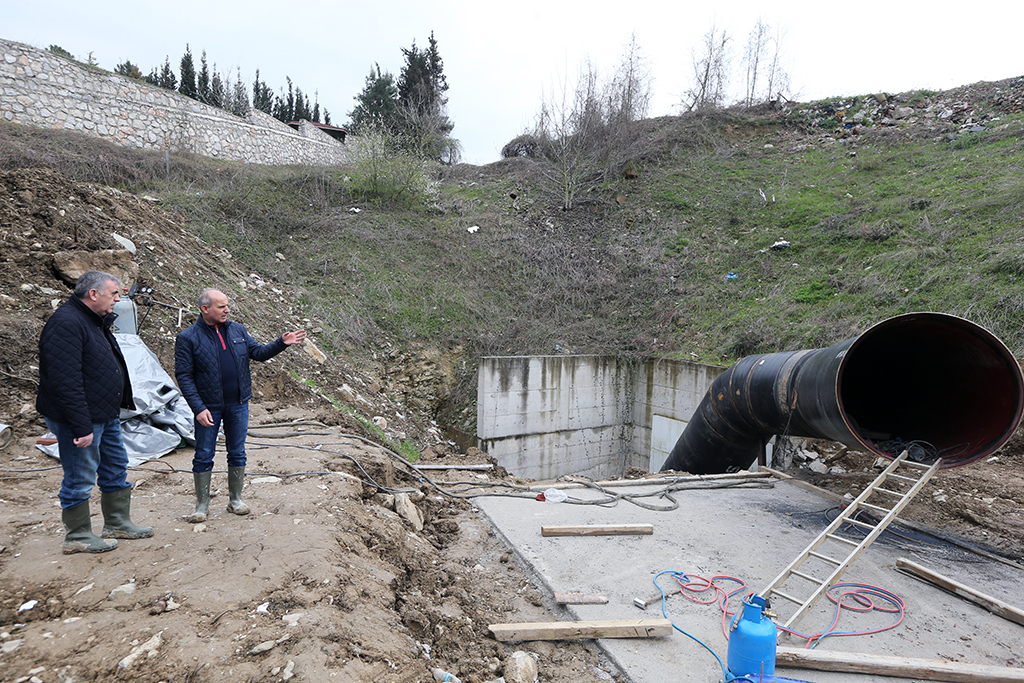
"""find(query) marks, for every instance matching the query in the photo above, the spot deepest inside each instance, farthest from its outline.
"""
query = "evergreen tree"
(425, 128)
(203, 93)
(58, 50)
(422, 84)
(126, 68)
(327, 118)
(300, 106)
(240, 98)
(167, 79)
(262, 97)
(217, 89)
(188, 74)
(377, 105)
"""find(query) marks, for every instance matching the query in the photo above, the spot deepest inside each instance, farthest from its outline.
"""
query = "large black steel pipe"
(920, 377)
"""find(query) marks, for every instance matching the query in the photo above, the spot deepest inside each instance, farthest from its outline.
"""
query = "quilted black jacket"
(82, 375)
(197, 362)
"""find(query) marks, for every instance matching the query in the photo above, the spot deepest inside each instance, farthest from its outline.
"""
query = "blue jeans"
(235, 419)
(103, 462)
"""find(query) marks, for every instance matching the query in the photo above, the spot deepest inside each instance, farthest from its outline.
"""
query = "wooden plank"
(662, 480)
(598, 530)
(580, 598)
(472, 468)
(571, 630)
(900, 667)
(993, 605)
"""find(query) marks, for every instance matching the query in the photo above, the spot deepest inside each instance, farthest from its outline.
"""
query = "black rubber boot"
(79, 537)
(202, 480)
(117, 521)
(236, 479)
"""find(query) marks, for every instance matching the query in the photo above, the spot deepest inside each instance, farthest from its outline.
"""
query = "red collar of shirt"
(216, 328)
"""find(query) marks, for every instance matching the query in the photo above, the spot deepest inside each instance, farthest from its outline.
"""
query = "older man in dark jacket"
(211, 364)
(83, 384)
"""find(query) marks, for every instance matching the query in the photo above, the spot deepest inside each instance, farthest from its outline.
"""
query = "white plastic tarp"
(161, 419)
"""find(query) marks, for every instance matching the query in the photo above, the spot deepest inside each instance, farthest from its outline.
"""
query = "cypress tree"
(217, 88)
(188, 75)
(167, 79)
(203, 93)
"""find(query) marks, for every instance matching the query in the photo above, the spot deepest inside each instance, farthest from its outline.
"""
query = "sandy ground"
(323, 581)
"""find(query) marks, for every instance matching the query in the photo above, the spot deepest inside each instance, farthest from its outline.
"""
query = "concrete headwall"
(39, 88)
(546, 416)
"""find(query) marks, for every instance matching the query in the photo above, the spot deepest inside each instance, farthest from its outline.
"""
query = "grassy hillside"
(870, 217)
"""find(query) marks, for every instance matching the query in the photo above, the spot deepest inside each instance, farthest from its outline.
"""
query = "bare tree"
(627, 99)
(586, 130)
(753, 54)
(710, 72)
(778, 78)
(762, 61)
(629, 94)
(568, 127)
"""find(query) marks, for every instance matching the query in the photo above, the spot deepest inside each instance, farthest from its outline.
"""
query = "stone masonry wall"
(39, 88)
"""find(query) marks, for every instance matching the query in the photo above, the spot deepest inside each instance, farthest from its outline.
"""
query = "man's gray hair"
(204, 297)
(93, 279)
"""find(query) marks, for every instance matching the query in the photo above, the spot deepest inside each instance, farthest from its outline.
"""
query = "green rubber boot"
(79, 537)
(236, 479)
(202, 480)
(117, 521)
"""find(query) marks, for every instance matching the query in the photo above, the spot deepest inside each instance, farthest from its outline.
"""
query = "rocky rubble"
(969, 108)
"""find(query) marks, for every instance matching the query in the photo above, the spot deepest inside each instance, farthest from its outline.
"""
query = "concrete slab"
(752, 534)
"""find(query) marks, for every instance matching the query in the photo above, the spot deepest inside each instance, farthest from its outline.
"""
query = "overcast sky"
(501, 58)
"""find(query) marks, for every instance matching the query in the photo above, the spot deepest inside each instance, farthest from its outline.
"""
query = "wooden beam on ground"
(993, 605)
(571, 630)
(580, 598)
(473, 468)
(566, 484)
(597, 530)
(900, 667)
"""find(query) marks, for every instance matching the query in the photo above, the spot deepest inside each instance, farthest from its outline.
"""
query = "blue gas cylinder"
(752, 641)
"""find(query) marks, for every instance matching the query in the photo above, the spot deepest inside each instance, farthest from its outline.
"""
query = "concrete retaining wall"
(39, 88)
(546, 416)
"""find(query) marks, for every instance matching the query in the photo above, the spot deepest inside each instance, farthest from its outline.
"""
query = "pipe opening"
(933, 378)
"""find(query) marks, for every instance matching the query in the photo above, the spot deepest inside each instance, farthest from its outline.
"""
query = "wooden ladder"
(822, 571)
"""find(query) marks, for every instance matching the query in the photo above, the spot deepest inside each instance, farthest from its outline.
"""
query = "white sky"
(500, 58)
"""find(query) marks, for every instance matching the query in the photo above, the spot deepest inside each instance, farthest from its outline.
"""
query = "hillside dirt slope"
(325, 580)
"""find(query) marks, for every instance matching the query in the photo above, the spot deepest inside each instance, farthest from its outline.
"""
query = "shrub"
(383, 173)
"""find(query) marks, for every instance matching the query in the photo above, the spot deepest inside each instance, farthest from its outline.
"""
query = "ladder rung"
(857, 522)
(795, 601)
(876, 508)
(807, 577)
(891, 493)
(826, 558)
(917, 465)
(842, 540)
(900, 476)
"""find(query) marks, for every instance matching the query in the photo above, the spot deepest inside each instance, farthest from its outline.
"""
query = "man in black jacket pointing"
(83, 384)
